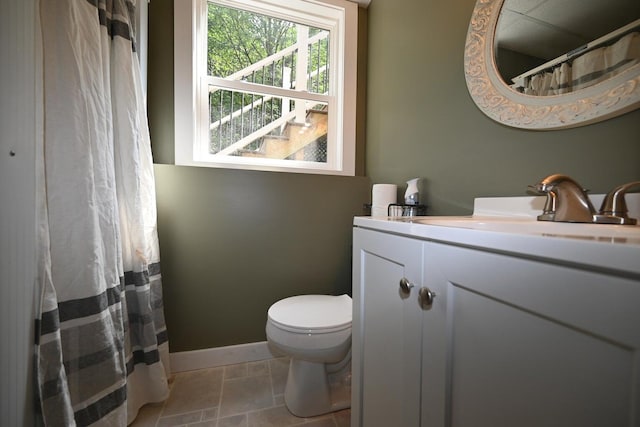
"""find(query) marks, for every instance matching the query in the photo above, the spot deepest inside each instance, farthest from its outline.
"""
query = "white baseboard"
(220, 356)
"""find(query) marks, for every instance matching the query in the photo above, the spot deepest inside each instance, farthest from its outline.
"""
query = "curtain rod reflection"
(521, 80)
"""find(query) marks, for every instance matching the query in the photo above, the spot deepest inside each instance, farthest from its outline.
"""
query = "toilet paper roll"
(382, 196)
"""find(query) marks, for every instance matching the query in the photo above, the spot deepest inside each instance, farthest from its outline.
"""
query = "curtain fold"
(102, 348)
(603, 63)
(587, 69)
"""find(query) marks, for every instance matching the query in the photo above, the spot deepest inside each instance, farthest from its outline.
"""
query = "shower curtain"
(587, 69)
(101, 345)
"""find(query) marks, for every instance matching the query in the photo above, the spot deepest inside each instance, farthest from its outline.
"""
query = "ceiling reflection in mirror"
(552, 47)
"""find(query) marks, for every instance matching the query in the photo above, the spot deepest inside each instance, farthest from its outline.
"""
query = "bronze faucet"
(567, 201)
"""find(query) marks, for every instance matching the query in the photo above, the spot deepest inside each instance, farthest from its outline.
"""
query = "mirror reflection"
(552, 47)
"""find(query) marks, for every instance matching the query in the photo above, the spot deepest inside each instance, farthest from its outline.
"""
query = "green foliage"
(237, 39)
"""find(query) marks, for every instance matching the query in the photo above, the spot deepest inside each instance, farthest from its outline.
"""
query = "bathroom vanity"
(495, 320)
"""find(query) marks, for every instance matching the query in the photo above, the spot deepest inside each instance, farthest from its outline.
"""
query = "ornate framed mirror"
(517, 106)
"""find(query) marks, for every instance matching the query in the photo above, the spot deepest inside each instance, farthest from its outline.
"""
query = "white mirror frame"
(496, 99)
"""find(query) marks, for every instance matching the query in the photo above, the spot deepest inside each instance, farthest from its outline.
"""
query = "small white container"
(411, 195)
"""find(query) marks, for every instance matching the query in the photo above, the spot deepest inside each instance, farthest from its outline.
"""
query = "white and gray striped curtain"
(102, 349)
(587, 69)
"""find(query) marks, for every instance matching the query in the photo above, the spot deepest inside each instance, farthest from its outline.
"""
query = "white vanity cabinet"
(512, 339)
(523, 342)
(387, 328)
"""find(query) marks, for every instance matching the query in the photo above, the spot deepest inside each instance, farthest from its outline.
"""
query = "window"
(267, 85)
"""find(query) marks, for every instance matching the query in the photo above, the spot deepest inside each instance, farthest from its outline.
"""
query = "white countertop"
(509, 225)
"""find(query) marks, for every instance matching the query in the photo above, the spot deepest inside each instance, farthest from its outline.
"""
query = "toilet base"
(308, 393)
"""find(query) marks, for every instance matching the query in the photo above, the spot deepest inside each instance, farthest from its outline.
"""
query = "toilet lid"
(318, 313)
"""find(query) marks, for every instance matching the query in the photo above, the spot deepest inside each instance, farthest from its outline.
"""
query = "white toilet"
(315, 332)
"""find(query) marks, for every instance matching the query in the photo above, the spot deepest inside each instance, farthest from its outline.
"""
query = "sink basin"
(532, 226)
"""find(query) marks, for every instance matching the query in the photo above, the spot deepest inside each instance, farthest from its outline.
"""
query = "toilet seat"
(318, 314)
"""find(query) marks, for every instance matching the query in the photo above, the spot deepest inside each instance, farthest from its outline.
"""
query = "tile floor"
(242, 395)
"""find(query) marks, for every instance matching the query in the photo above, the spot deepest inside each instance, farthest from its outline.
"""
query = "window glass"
(266, 85)
(266, 126)
(256, 48)
(252, 53)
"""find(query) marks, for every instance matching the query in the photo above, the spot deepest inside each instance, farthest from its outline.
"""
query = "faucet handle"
(535, 189)
(614, 206)
(549, 210)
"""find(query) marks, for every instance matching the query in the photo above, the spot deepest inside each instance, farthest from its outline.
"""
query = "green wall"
(233, 242)
(421, 121)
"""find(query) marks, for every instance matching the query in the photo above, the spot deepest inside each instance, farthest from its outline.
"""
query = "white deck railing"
(258, 117)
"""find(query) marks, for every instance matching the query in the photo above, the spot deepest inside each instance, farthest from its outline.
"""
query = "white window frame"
(191, 121)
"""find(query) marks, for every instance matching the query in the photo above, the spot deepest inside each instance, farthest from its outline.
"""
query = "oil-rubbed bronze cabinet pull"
(426, 297)
(405, 285)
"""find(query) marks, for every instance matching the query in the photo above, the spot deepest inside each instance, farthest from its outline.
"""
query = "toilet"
(315, 332)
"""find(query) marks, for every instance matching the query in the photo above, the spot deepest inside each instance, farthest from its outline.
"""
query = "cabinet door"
(386, 331)
(517, 342)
